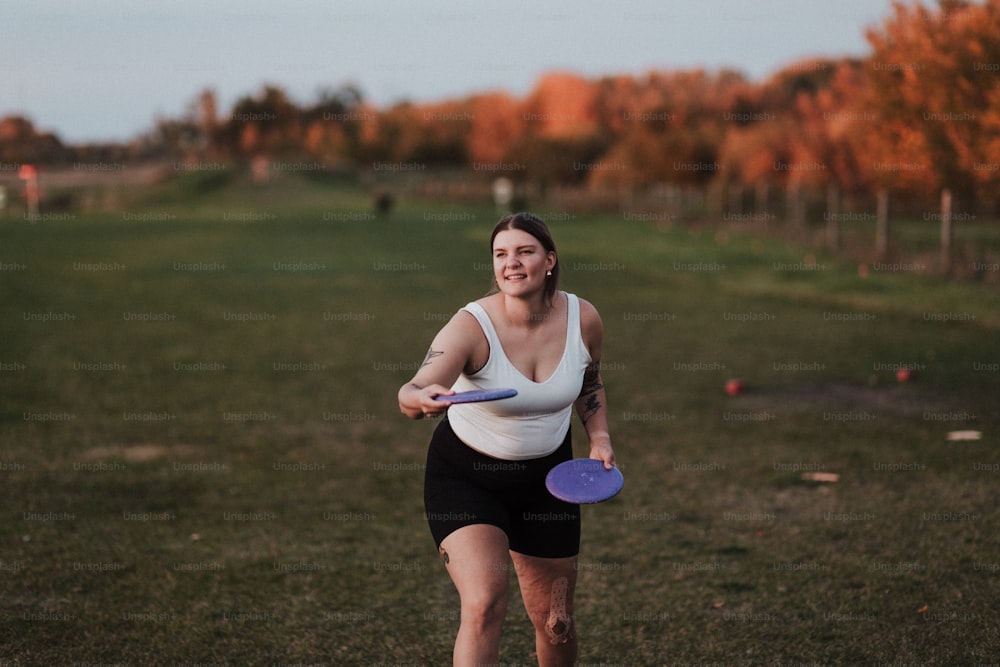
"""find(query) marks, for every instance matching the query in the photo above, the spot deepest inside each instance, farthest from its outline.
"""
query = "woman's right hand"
(417, 402)
(450, 353)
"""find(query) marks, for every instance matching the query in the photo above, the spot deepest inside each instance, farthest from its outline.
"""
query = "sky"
(104, 70)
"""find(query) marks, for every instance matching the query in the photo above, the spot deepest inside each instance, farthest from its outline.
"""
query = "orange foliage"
(496, 124)
(561, 105)
(933, 83)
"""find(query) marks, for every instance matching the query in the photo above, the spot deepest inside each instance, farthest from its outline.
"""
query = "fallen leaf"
(964, 435)
(821, 476)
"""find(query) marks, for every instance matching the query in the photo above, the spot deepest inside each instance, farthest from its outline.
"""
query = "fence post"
(795, 207)
(833, 216)
(735, 193)
(947, 232)
(762, 196)
(882, 224)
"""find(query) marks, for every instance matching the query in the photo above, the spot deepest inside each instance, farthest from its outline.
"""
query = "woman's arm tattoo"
(431, 353)
(591, 385)
(591, 380)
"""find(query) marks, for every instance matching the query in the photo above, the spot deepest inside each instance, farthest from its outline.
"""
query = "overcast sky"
(104, 69)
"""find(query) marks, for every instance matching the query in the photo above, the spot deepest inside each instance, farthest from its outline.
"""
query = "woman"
(484, 489)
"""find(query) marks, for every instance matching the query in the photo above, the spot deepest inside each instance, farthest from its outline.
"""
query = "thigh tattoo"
(559, 623)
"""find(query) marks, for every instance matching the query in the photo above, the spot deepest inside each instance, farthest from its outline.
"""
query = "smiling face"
(520, 262)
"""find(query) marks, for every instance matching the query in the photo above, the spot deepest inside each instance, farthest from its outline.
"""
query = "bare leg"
(477, 560)
(547, 588)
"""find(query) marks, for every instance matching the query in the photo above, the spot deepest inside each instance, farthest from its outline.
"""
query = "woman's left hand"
(602, 451)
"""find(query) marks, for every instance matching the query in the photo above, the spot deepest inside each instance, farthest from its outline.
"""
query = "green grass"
(231, 482)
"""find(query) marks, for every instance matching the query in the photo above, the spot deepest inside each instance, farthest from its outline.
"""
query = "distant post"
(761, 197)
(503, 194)
(29, 174)
(833, 216)
(735, 199)
(796, 206)
(882, 224)
(260, 167)
(947, 232)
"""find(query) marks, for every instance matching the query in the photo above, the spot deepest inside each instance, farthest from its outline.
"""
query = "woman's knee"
(484, 609)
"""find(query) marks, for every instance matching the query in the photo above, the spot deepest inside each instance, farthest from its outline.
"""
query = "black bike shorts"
(463, 487)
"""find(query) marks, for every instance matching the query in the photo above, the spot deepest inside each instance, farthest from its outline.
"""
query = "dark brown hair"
(526, 222)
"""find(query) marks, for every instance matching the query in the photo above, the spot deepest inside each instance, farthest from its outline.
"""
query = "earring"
(548, 273)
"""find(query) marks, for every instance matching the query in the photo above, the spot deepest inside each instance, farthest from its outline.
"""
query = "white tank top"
(534, 423)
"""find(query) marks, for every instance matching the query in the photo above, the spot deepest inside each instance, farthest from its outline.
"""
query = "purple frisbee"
(477, 395)
(584, 481)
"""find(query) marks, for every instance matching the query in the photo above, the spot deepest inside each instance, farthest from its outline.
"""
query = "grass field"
(202, 460)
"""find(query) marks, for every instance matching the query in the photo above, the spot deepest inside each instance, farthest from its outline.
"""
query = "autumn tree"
(497, 123)
(267, 123)
(392, 136)
(444, 134)
(561, 141)
(667, 126)
(21, 142)
(332, 126)
(932, 84)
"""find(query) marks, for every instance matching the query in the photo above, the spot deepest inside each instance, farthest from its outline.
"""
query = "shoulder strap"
(485, 322)
(574, 307)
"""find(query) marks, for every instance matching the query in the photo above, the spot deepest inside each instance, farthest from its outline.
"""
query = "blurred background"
(809, 120)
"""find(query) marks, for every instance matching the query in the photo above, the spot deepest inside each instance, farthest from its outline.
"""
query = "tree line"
(918, 114)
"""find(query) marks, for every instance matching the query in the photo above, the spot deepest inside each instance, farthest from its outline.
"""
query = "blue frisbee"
(476, 395)
(584, 481)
